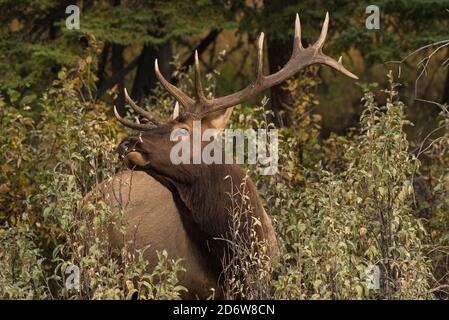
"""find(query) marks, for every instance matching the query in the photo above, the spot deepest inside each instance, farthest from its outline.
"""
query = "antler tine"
(180, 96)
(259, 61)
(175, 111)
(139, 110)
(130, 124)
(297, 43)
(201, 98)
(336, 65)
(320, 42)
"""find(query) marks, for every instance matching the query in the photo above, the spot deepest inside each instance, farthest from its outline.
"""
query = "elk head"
(150, 149)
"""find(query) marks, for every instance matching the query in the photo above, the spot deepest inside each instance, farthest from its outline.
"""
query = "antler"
(201, 106)
(139, 110)
(300, 58)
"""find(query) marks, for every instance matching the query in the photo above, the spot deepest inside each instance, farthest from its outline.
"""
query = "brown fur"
(151, 218)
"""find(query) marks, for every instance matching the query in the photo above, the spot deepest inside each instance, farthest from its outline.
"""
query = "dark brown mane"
(205, 205)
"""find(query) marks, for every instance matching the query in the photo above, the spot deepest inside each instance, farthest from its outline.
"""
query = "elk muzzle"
(130, 150)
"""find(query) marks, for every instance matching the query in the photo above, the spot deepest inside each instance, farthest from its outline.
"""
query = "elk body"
(184, 208)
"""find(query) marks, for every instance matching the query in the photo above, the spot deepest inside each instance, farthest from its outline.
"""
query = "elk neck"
(210, 197)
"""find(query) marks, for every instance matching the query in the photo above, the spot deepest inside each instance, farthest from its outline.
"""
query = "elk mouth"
(132, 155)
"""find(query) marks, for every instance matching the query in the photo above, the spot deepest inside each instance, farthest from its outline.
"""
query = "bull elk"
(183, 208)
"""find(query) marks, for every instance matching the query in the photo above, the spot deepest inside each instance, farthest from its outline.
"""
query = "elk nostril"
(123, 147)
(125, 144)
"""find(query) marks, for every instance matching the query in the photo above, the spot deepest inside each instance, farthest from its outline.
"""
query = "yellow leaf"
(15, 25)
(362, 231)
(4, 188)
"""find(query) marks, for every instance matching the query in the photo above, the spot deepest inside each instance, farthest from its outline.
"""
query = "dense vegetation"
(359, 184)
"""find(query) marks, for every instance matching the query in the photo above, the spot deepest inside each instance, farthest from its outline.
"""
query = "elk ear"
(176, 111)
(219, 120)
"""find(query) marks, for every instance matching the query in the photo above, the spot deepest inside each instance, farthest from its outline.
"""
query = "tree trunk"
(445, 98)
(166, 56)
(117, 65)
(201, 47)
(279, 51)
(145, 79)
(101, 74)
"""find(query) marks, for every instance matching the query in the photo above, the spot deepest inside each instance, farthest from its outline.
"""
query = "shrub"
(48, 168)
(334, 225)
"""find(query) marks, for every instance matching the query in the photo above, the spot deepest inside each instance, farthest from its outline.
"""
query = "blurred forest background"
(359, 185)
